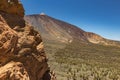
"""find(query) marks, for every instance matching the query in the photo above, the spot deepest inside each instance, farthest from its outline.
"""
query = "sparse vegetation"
(86, 61)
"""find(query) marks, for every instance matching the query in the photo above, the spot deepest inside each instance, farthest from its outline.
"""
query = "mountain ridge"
(69, 48)
(57, 27)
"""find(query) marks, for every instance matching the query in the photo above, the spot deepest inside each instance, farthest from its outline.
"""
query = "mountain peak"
(42, 13)
(65, 31)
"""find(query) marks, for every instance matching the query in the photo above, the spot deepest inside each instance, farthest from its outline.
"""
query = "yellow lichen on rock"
(12, 7)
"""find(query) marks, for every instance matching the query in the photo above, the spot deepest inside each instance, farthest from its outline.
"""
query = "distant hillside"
(58, 30)
(75, 54)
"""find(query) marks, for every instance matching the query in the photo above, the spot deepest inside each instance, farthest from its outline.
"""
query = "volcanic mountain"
(57, 30)
(75, 54)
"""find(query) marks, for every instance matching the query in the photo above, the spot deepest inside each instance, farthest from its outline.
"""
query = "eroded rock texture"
(13, 71)
(24, 45)
(12, 7)
(22, 55)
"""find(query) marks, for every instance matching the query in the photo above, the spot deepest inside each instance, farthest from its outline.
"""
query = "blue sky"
(98, 16)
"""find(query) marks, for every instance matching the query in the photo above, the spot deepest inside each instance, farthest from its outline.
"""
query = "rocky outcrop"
(13, 71)
(97, 39)
(22, 55)
(12, 7)
(24, 45)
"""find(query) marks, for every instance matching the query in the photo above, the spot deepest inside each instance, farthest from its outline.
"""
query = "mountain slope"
(72, 54)
(54, 29)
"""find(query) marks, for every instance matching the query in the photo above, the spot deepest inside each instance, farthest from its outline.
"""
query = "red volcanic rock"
(12, 7)
(22, 55)
(13, 71)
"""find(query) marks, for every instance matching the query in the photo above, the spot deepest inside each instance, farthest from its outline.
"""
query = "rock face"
(22, 55)
(14, 71)
(12, 7)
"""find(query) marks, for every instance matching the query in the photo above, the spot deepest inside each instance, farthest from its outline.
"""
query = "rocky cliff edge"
(22, 55)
